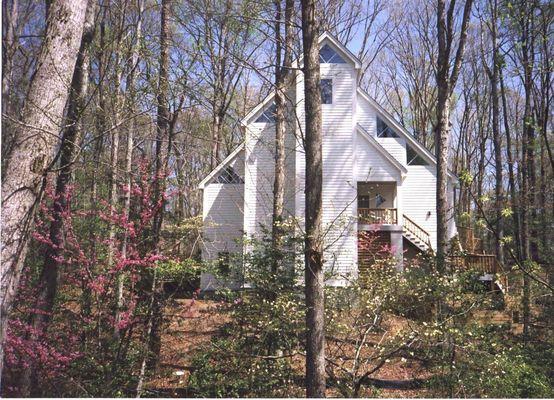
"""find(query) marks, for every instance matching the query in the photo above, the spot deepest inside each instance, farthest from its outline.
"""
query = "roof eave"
(390, 119)
(390, 158)
(222, 165)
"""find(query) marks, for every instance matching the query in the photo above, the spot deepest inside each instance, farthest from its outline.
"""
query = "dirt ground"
(192, 323)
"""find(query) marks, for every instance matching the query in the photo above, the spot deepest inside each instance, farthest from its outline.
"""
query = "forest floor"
(192, 323)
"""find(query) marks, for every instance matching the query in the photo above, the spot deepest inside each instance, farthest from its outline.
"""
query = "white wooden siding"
(339, 189)
(419, 198)
(396, 148)
(223, 220)
(258, 178)
(366, 115)
(371, 165)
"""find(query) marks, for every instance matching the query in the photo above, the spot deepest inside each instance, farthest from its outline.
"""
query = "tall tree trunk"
(162, 122)
(497, 141)
(216, 136)
(131, 108)
(71, 142)
(314, 280)
(9, 19)
(36, 136)
(528, 161)
(446, 80)
(511, 173)
(163, 146)
(117, 110)
(281, 74)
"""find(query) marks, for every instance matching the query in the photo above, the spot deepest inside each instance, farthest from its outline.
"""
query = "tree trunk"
(130, 86)
(281, 73)
(9, 47)
(497, 141)
(162, 122)
(163, 146)
(446, 80)
(314, 280)
(441, 148)
(71, 141)
(528, 161)
(37, 138)
(511, 173)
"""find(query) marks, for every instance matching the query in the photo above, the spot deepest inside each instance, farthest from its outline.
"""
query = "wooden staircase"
(416, 234)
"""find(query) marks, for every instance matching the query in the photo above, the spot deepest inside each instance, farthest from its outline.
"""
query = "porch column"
(398, 247)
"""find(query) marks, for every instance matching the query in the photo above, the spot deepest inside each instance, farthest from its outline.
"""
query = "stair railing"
(416, 230)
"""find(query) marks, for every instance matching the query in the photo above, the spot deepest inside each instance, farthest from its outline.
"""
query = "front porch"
(384, 228)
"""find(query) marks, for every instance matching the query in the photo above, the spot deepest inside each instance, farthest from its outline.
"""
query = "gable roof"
(372, 141)
(221, 166)
(324, 38)
(399, 128)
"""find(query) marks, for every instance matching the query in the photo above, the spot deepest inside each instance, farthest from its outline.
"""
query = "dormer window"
(327, 55)
(229, 176)
(412, 158)
(268, 115)
(326, 89)
(385, 131)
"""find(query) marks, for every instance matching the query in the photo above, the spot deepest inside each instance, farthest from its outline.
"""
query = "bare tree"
(37, 137)
(314, 279)
(71, 141)
(446, 80)
(131, 109)
(493, 76)
(282, 70)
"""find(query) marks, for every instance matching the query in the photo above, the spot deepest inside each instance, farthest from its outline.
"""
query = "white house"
(376, 175)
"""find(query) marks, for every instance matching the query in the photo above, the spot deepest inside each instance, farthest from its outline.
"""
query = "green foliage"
(229, 369)
(491, 365)
(179, 270)
(254, 353)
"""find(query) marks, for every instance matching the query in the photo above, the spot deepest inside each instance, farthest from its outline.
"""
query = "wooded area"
(114, 111)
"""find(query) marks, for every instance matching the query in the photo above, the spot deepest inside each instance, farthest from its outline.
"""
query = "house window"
(383, 130)
(326, 88)
(229, 176)
(268, 115)
(363, 201)
(329, 56)
(412, 158)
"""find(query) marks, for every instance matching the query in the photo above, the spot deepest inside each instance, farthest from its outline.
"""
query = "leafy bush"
(254, 353)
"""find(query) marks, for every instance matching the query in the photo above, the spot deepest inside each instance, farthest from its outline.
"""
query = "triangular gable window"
(327, 55)
(383, 130)
(268, 115)
(229, 176)
(412, 158)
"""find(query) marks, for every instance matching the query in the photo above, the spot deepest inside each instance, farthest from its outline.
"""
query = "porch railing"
(378, 216)
(485, 263)
(416, 231)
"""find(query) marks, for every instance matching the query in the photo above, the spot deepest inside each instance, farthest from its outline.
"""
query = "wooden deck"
(485, 263)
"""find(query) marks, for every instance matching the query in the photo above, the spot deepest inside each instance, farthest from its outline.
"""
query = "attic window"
(229, 176)
(412, 158)
(326, 88)
(268, 115)
(384, 131)
(329, 56)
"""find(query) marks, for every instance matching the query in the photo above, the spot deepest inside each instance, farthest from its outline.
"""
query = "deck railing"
(485, 263)
(417, 231)
(378, 216)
